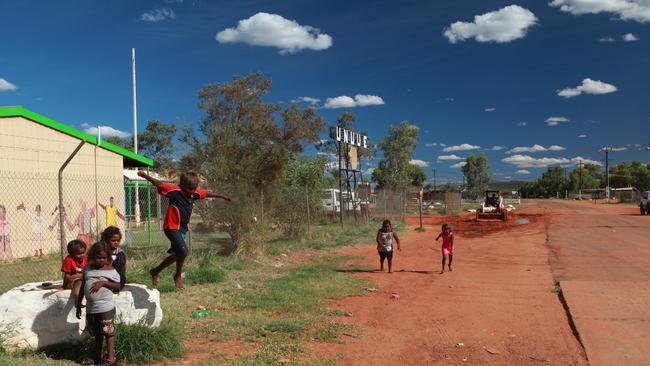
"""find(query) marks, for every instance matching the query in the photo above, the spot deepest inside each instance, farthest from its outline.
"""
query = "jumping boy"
(181, 200)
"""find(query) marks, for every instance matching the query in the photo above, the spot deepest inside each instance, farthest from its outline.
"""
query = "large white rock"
(32, 317)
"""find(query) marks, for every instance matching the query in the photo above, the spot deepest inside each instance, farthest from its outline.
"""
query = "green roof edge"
(33, 116)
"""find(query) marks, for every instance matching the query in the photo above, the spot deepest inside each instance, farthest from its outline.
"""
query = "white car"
(332, 203)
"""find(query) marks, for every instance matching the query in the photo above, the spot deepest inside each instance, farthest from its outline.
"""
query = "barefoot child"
(113, 237)
(99, 282)
(385, 237)
(447, 245)
(181, 200)
(73, 266)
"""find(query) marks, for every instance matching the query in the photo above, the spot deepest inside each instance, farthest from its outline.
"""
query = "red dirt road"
(496, 308)
(601, 256)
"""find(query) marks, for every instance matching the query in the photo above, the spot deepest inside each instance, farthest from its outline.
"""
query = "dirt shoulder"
(497, 307)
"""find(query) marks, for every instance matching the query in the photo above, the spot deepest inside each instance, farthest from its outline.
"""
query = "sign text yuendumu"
(349, 137)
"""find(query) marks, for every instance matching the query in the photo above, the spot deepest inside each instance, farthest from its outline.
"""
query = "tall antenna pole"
(135, 141)
(606, 150)
(435, 189)
(580, 180)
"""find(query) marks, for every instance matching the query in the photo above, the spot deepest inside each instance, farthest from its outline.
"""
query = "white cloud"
(310, 100)
(443, 145)
(629, 37)
(420, 163)
(459, 165)
(582, 136)
(508, 177)
(497, 148)
(6, 86)
(588, 86)
(522, 124)
(637, 10)
(501, 26)
(535, 148)
(158, 15)
(606, 39)
(522, 172)
(449, 157)
(360, 100)
(554, 121)
(461, 147)
(617, 149)
(531, 149)
(490, 109)
(579, 159)
(431, 144)
(526, 161)
(367, 172)
(272, 30)
(107, 131)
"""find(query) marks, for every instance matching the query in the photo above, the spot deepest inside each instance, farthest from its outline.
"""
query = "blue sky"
(471, 74)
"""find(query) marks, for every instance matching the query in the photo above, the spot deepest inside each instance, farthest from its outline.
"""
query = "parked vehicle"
(644, 205)
(331, 201)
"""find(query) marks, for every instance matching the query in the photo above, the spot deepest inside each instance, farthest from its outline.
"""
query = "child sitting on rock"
(100, 280)
(73, 265)
(113, 237)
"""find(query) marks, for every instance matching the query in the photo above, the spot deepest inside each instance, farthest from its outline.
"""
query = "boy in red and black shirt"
(181, 201)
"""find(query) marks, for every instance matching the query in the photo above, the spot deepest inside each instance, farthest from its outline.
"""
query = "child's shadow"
(414, 271)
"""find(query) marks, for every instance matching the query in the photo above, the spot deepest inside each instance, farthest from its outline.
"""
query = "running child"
(447, 245)
(99, 282)
(73, 266)
(181, 201)
(113, 237)
(385, 237)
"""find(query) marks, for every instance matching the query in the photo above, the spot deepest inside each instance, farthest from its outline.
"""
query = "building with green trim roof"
(32, 150)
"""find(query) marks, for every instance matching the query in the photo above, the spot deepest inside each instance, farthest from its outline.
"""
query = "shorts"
(383, 254)
(70, 285)
(101, 324)
(177, 239)
(448, 250)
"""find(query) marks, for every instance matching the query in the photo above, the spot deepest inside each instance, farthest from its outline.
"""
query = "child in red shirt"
(447, 245)
(73, 266)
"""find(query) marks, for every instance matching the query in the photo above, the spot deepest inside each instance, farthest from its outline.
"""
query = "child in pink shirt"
(447, 245)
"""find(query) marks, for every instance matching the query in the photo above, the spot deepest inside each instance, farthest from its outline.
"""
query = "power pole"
(435, 189)
(566, 188)
(607, 150)
(135, 141)
(580, 180)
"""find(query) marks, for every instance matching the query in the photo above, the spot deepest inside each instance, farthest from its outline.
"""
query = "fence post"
(62, 244)
(308, 217)
(149, 213)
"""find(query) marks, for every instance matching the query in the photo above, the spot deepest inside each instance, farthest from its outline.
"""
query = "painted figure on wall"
(38, 227)
(84, 223)
(5, 232)
(55, 224)
(112, 213)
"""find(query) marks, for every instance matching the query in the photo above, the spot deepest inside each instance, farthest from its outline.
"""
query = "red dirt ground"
(497, 307)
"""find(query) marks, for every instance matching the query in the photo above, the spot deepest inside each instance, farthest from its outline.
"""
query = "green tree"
(470, 171)
(398, 149)
(245, 147)
(416, 175)
(126, 143)
(157, 142)
(301, 190)
(482, 172)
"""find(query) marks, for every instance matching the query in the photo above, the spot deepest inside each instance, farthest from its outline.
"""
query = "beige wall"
(30, 157)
